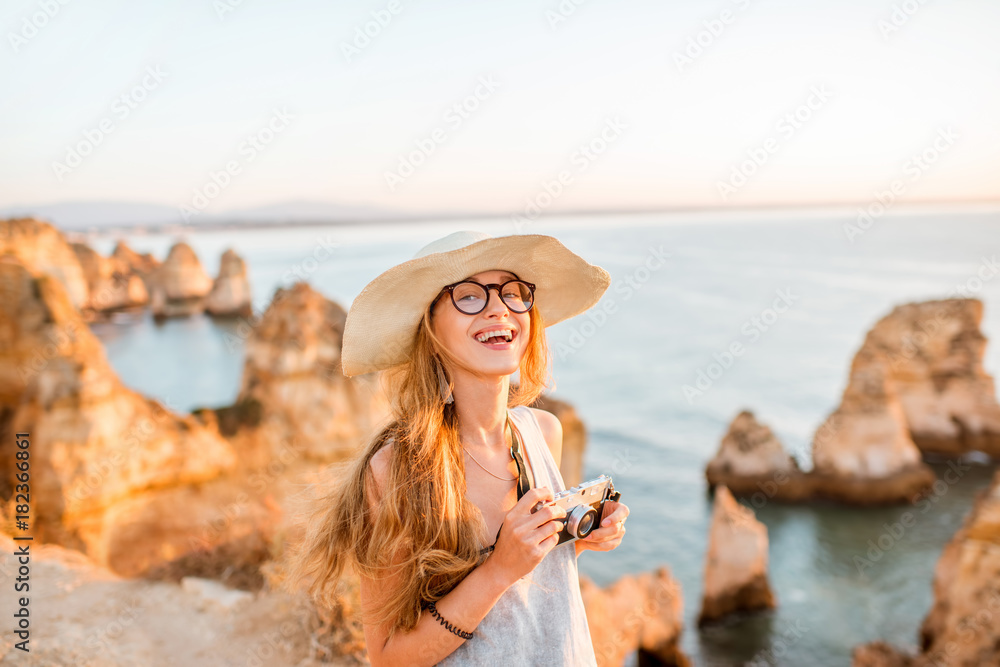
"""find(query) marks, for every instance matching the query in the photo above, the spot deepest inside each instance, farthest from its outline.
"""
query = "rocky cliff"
(114, 474)
(641, 613)
(963, 626)
(43, 250)
(293, 388)
(111, 282)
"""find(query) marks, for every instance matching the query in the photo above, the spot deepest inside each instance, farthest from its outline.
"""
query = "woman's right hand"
(525, 536)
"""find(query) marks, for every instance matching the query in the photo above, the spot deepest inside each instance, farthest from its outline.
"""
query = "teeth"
(507, 334)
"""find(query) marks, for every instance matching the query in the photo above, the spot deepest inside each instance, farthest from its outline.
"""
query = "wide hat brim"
(382, 321)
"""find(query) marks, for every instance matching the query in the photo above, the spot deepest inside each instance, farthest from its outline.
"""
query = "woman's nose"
(495, 303)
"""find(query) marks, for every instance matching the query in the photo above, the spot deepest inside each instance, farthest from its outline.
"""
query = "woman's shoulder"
(551, 429)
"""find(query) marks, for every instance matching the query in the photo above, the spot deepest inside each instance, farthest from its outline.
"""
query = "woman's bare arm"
(470, 601)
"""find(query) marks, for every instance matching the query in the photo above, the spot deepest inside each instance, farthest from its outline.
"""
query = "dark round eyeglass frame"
(450, 289)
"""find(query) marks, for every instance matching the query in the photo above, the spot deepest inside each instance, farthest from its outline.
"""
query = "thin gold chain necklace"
(505, 479)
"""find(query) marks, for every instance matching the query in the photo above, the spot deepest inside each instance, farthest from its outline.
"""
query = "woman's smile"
(497, 336)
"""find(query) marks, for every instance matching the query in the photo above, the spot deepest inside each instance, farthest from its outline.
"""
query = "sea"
(652, 371)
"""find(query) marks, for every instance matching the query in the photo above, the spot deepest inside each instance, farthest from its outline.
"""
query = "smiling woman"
(463, 459)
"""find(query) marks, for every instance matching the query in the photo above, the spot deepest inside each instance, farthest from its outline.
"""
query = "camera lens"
(581, 521)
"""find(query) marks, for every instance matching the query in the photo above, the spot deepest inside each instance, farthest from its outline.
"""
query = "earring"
(443, 384)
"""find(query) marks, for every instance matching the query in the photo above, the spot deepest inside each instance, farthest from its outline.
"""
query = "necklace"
(505, 479)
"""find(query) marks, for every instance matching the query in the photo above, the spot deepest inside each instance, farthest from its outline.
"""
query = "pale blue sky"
(682, 131)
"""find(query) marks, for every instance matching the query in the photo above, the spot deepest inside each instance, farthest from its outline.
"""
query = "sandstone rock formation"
(91, 616)
(934, 352)
(143, 265)
(916, 386)
(863, 453)
(966, 609)
(574, 438)
(642, 612)
(113, 474)
(293, 388)
(751, 461)
(736, 561)
(44, 250)
(963, 626)
(230, 295)
(847, 452)
(180, 284)
(111, 283)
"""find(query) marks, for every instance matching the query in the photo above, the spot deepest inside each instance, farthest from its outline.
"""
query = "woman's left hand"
(609, 534)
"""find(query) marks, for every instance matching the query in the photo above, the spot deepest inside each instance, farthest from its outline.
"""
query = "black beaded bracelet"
(436, 614)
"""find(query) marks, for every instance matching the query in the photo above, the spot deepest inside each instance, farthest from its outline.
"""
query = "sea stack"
(180, 284)
(736, 562)
(293, 385)
(934, 352)
(752, 462)
(863, 453)
(230, 295)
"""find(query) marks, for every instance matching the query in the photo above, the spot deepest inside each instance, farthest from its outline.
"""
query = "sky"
(514, 107)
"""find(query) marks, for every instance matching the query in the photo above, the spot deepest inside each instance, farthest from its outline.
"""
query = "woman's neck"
(481, 407)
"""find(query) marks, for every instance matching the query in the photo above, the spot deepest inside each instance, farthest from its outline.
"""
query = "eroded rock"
(736, 561)
(230, 295)
(643, 612)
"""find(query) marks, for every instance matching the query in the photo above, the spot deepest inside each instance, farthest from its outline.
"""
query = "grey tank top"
(540, 619)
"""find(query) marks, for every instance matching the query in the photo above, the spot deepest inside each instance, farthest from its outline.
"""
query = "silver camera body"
(584, 505)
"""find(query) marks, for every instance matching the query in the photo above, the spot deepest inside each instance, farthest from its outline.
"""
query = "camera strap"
(524, 479)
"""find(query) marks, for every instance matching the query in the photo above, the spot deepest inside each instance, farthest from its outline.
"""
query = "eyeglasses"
(471, 298)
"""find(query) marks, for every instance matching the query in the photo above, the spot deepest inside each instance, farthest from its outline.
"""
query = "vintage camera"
(584, 505)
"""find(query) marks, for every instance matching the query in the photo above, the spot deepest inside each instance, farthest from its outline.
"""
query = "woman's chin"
(501, 364)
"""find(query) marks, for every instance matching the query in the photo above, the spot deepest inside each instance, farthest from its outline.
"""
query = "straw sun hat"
(383, 320)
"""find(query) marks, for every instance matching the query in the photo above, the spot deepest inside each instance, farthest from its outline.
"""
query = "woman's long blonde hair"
(424, 516)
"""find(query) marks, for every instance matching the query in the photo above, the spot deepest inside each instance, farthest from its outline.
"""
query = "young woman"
(443, 515)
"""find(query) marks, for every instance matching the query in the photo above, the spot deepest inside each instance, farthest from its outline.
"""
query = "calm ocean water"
(665, 321)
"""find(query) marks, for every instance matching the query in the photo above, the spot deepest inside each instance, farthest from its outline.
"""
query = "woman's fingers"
(612, 527)
(619, 514)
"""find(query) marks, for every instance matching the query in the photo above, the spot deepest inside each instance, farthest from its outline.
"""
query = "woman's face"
(460, 333)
